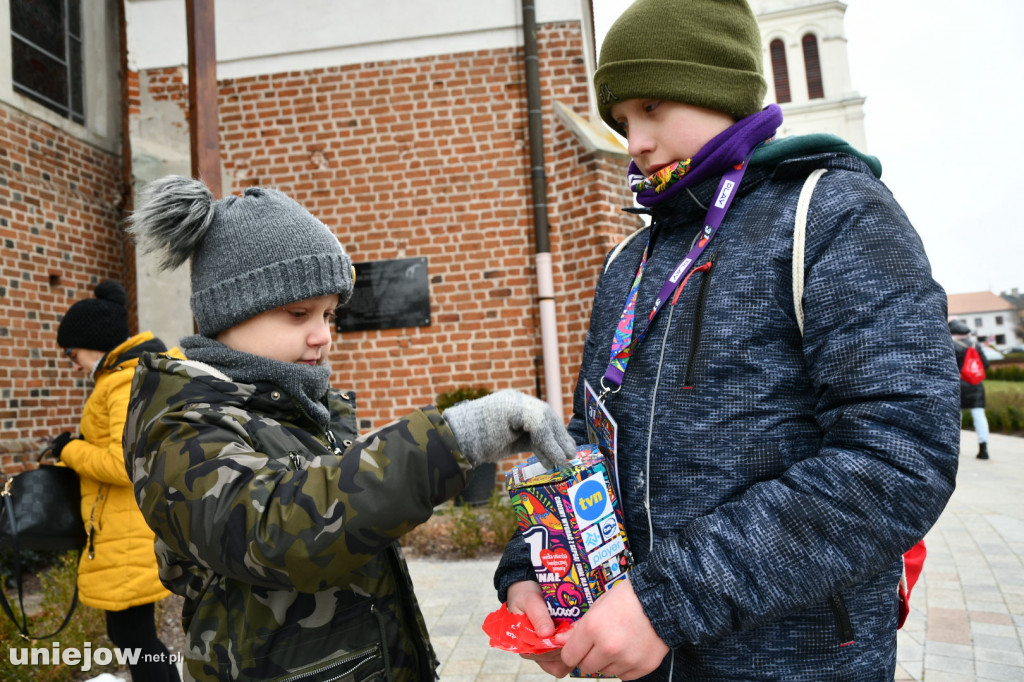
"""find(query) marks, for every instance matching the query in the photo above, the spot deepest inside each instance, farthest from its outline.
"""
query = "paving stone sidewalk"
(967, 611)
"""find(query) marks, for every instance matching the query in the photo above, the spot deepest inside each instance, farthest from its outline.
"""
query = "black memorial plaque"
(388, 294)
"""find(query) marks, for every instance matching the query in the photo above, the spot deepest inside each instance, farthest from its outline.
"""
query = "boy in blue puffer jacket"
(772, 472)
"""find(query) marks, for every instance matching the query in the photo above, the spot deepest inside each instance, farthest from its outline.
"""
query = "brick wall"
(59, 209)
(424, 157)
(429, 157)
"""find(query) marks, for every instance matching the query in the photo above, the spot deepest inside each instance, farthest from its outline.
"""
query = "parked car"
(991, 353)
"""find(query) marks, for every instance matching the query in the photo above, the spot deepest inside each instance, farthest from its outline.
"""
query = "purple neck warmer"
(726, 149)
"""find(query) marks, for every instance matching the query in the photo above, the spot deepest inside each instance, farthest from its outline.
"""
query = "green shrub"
(457, 395)
(465, 531)
(1014, 418)
(1004, 407)
(32, 562)
(504, 522)
(1005, 373)
(462, 532)
(995, 420)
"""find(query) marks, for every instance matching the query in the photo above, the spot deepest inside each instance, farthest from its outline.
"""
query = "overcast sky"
(944, 82)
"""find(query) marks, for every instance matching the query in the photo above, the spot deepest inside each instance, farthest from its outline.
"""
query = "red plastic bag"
(514, 632)
(973, 370)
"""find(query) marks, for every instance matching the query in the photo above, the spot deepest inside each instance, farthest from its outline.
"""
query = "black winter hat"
(99, 323)
(959, 327)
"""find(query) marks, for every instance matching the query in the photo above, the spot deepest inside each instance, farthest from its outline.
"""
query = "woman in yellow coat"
(118, 569)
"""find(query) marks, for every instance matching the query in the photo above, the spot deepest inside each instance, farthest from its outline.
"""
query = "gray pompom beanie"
(250, 253)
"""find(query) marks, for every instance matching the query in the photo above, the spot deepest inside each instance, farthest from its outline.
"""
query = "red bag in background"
(973, 370)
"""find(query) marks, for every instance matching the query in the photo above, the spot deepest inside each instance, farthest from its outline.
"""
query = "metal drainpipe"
(545, 277)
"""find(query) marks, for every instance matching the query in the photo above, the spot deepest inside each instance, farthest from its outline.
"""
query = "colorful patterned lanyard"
(625, 342)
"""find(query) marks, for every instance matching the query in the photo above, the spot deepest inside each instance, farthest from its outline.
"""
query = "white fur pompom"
(173, 215)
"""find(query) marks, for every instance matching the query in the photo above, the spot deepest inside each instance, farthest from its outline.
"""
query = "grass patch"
(1004, 407)
(56, 585)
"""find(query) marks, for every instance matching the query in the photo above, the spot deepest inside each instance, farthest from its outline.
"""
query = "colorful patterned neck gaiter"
(726, 149)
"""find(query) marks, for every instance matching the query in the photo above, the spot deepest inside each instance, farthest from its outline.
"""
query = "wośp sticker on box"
(572, 523)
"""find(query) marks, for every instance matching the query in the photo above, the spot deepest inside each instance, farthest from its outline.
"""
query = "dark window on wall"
(999, 319)
(780, 71)
(812, 65)
(46, 54)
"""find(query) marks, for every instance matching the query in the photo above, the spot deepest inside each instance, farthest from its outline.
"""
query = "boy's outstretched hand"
(508, 422)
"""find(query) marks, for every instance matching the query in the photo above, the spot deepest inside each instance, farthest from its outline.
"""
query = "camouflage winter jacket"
(282, 538)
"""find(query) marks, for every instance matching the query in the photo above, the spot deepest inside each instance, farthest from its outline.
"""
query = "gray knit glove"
(508, 422)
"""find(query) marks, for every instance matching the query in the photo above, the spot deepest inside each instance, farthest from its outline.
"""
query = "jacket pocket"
(322, 642)
(844, 625)
(698, 317)
(365, 665)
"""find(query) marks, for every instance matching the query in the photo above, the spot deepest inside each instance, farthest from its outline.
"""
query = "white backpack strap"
(799, 232)
(620, 246)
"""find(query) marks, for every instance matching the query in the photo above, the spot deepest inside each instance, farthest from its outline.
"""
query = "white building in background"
(991, 318)
(808, 70)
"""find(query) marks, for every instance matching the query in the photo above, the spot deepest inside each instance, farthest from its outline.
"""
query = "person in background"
(275, 519)
(972, 396)
(774, 459)
(117, 572)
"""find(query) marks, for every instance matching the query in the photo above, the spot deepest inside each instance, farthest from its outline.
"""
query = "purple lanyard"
(625, 342)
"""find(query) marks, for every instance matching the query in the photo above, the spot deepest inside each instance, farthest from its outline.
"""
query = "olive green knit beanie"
(701, 52)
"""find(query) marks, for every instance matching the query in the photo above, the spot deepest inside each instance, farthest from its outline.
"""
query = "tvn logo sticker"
(590, 500)
(609, 528)
(723, 196)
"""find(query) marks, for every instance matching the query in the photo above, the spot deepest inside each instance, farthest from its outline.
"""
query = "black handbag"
(40, 509)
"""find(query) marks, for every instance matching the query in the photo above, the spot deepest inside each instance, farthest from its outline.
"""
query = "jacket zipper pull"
(333, 442)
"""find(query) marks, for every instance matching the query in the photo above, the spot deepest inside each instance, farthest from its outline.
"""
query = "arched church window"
(812, 65)
(780, 71)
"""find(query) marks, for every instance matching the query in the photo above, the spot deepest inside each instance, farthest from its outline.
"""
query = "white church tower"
(808, 70)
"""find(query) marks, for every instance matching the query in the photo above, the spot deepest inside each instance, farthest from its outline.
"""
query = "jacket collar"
(129, 351)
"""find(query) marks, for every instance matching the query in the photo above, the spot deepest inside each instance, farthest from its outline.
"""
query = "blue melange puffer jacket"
(784, 475)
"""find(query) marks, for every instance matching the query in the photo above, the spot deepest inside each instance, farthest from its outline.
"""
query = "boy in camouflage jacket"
(274, 519)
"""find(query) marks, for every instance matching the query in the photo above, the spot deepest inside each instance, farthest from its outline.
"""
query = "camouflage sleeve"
(263, 520)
